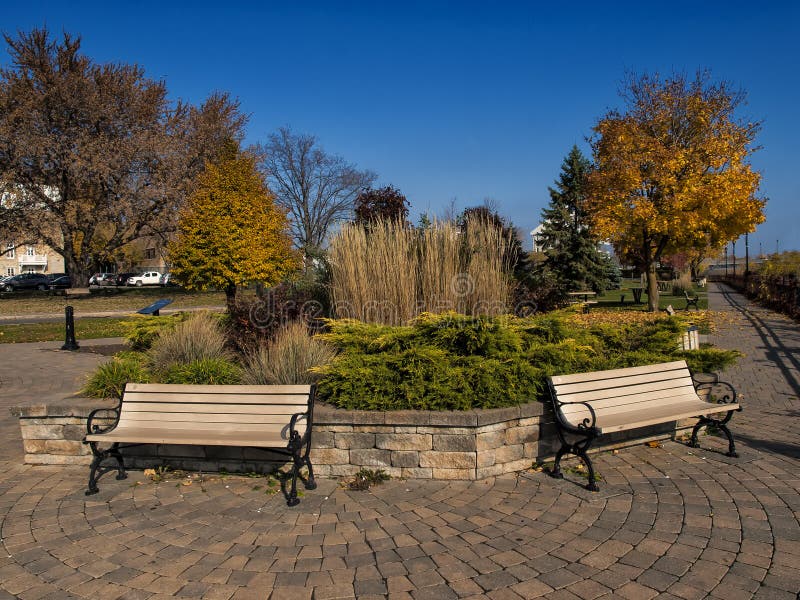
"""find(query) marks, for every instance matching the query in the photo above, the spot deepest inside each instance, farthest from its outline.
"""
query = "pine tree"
(230, 231)
(571, 251)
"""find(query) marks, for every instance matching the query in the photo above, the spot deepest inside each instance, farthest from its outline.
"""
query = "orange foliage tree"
(230, 232)
(671, 172)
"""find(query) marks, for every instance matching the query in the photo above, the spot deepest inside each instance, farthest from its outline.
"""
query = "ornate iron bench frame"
(691, 301)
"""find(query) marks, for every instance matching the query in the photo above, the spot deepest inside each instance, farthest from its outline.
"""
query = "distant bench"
(257, 416)
(588, 405)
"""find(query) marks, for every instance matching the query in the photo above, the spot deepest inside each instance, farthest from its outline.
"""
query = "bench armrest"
(587, 423)
(111, 413)
(717, 392)
(293, 424)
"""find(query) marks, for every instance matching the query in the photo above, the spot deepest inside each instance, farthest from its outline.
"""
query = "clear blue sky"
(455, 101)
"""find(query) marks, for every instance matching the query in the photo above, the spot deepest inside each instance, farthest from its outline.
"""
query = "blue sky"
(456, 102)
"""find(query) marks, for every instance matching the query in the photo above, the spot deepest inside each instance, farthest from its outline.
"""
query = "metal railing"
(780, 293)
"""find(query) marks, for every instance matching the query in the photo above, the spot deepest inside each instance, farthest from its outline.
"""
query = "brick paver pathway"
(670, 522)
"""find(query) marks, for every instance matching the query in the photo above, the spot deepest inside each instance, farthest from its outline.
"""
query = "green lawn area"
(611, 299)
(113, 299)
(85, 329)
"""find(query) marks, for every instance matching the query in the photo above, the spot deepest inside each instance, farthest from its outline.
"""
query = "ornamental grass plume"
(391, 273)
(287, 359)
(200, 337)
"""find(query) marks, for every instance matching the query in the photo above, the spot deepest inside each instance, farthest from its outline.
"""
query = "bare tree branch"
(315, 188)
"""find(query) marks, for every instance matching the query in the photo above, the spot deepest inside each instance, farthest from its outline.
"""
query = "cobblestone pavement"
(32, 373)
(669, 522)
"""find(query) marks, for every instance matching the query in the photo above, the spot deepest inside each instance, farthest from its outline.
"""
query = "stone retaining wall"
(409, 444)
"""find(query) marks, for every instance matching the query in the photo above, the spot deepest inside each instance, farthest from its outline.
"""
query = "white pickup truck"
(149, 278)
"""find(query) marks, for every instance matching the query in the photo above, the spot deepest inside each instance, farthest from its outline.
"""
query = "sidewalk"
(59, 317)
(669, 522)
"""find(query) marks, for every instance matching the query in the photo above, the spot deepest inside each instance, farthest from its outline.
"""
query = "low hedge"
(456, 362)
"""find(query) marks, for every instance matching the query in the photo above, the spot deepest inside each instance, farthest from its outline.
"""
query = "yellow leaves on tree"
(671, 173)
(230, 232)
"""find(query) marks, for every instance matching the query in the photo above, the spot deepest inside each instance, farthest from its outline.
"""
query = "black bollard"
(69, 342)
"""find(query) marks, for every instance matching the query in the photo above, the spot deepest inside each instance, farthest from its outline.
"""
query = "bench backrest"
(623, 390)
(263, 408)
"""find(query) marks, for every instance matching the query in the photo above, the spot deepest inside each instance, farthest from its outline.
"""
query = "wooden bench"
(588, 405)
(691, 301)
(253, 416)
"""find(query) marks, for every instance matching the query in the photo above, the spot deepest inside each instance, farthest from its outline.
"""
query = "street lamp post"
(733, 244)
(726, 261)
(746, 255)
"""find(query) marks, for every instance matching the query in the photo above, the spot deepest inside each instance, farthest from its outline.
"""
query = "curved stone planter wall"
(410, 444)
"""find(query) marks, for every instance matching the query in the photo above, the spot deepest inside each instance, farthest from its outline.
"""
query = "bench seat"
(588, 405)
(258, 416)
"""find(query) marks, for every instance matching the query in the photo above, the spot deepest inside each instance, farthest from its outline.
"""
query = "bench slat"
(676, 404)
(216, 389)
(211, 428)
(674, 387)
(614, 382)
(618, 404)
(186, 407)
(651, 417)
(219, 398)
(641, 418)
(135, 417)
(191, 437)
(613, 373)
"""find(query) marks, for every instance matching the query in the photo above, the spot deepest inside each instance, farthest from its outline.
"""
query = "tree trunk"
(73, 267)
(652, 288)
(230, 298)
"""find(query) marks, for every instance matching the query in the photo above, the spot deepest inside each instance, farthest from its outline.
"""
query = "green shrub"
(198, 338)
(146, 330)
(288, 358)
(709, 360)
(206, 371)
(453, 362)
(109, 379)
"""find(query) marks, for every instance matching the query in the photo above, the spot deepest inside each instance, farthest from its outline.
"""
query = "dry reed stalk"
(440, 264)
(490, 253)
(392, 273)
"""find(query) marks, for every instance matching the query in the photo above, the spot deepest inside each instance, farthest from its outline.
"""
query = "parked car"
(102, 279)
(60, 281)
(149, 278)
(122, 278)
(167, 280)
(26, 281)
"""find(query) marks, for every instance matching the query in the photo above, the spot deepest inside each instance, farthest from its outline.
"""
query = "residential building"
(28, 258)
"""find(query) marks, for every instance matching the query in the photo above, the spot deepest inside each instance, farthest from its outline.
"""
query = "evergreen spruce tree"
(572, 257)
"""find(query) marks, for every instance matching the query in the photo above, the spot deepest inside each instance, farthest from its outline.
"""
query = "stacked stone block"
(409, 444)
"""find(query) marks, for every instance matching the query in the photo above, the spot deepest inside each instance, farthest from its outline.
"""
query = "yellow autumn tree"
(671, 172)
(230, 232)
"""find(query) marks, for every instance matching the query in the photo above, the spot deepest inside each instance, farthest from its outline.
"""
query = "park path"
(670, 522)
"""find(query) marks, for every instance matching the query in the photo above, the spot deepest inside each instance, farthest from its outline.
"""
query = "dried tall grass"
(287, 358)
(681, 284)
(198, 338)
(392, 273)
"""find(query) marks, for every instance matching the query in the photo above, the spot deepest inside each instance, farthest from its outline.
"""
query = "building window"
(11, 251)
(150, 253)
(10, 271)
(30, 251)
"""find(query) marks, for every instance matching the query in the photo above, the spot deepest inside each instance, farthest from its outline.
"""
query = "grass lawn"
(85, 329)
(129, 300)
(611, 299)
